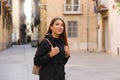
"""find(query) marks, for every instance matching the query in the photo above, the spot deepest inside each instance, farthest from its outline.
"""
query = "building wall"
(110, 31)
(1, 31)
(43, 20)
(18, 18)
(56, 8)
(16, 22)
(114, 27)
(5, 26)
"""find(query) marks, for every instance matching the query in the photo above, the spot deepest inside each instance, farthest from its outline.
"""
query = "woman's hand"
(54, 51)
(67, 51)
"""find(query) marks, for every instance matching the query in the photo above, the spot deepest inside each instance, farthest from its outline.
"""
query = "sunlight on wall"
(28, 10)
(28, 13)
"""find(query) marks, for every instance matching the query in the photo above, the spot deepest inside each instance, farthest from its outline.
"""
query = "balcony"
(7, 4)
(101, 8)
(4, 1)
(117, 1)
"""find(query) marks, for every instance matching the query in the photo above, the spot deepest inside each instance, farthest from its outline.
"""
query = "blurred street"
(16, 64)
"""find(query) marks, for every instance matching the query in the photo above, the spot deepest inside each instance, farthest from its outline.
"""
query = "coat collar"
(51, 38)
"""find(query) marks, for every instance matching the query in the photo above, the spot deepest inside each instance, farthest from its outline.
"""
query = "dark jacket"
(52, 68)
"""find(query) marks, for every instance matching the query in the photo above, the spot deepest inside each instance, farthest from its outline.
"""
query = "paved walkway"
(16, 64)
(93, 66)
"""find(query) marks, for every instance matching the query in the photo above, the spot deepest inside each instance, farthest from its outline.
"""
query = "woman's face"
(57, 28)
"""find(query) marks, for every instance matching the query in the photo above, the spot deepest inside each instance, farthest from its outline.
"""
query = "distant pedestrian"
(53, 59)
(23, 33)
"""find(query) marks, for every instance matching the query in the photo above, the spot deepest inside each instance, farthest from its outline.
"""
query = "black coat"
(52, 68)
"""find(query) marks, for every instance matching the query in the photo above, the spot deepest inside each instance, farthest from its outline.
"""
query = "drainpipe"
(88, 25)
(98, 26)
(118, 51)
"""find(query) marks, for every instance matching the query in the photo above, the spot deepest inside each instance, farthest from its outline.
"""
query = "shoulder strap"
(49, 42)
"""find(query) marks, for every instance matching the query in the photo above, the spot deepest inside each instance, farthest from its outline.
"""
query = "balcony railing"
(4, 1)
(117, 0)
(8, 5)
(101, 6)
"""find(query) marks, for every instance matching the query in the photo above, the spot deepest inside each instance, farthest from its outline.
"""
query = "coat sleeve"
(42, 57)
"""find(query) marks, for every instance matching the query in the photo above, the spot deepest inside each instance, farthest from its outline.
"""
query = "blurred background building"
(35, 22)
(80, 20)
(92, 25)
(108, 24)
(5, 24)
(18, 20)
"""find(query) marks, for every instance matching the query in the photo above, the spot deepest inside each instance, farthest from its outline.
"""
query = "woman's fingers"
(54, 51)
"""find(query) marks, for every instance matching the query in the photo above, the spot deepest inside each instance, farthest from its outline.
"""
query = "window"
(72, 28)
(72, 7)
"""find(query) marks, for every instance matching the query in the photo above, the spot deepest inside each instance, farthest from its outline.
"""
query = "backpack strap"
(49, 42)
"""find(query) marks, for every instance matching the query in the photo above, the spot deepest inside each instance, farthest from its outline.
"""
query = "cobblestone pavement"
(16, 64)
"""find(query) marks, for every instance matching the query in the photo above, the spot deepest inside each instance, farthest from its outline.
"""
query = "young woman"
(53, 59)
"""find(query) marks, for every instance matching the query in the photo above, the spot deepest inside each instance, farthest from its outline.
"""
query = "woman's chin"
(59, 33)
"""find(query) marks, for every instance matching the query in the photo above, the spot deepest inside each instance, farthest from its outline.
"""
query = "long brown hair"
(63, 35)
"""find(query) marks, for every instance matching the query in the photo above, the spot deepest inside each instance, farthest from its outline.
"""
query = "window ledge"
(73, 13)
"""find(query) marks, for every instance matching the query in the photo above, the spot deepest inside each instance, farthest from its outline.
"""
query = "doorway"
(105, 34)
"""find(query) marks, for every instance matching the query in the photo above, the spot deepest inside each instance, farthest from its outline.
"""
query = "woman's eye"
(61, 24)
(57, 24)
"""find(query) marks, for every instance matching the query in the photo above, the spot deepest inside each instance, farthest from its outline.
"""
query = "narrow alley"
(16, 63)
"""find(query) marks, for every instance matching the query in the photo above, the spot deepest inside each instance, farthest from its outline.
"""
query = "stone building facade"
(5, 24)
(108, 23)
(80, 21)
